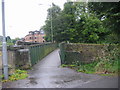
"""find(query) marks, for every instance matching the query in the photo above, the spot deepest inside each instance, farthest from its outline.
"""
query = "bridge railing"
(37, 52)
(25, 56)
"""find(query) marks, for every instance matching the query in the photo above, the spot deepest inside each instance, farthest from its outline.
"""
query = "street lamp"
(4, 45)
(51, 22)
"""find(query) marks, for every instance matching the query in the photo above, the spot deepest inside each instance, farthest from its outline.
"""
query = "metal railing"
(38, 52)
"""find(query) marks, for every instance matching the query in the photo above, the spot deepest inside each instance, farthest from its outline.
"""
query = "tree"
(53, 13)
(83, 22)
(8, 39)
(110, 13)
(14, 40)
(66, 23)
(93, 31)
(88, 28)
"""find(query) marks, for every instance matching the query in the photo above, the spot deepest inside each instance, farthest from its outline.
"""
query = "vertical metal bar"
(37, 53)
(4, 45)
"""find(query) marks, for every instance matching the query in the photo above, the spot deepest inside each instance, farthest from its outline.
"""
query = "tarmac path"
(48, 74)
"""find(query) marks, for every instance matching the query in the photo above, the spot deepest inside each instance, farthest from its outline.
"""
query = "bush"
(110, 63)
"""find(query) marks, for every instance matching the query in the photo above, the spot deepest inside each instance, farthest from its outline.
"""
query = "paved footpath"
(48, 74)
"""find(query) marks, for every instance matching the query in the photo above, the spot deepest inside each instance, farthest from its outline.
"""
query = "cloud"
(23, 16)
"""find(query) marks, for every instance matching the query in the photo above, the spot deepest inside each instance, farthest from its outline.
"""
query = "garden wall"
(83, 53)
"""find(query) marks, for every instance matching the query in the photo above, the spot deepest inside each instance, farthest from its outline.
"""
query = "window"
(30, 37)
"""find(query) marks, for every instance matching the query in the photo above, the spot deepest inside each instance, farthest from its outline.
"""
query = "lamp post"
(4, 45)
(50, 22)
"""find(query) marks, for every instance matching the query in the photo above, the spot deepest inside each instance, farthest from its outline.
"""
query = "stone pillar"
(23, 59)
(11, 61)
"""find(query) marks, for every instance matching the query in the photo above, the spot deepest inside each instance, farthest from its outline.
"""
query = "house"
(35, 36)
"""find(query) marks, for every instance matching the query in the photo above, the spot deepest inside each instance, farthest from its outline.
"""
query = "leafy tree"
(93, 31)
(110, 13)
(8, 39)
(68, 21)
(83, 22)
(14, 40)
(88, 28)
(53, 13)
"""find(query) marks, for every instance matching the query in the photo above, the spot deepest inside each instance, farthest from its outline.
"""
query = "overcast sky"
(23, 16)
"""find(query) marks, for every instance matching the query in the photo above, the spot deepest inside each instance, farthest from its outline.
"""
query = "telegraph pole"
(4, 45)
(51, 28)
(51, 25)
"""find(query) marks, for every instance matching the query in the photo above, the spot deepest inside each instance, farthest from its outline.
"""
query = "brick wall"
(35, 37)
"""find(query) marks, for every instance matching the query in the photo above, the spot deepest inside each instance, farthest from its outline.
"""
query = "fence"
(37, 52)
(24, 56)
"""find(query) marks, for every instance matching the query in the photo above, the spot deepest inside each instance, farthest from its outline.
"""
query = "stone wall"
(19, 56)
(12, 58)
(84, 53)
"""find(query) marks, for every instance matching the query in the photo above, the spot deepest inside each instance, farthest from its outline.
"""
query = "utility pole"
(51, 28)
(4, 45)
(51, 25)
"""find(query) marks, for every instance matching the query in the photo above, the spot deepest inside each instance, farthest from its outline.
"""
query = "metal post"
(51, 25)
(4, 45)
(50, 22)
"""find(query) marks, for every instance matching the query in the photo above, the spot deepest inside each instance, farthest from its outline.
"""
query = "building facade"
(35, 36)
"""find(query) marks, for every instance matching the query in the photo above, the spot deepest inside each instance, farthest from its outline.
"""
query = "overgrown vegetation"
(102, 68)
(105, 65)
(17, 75)
(109, 63)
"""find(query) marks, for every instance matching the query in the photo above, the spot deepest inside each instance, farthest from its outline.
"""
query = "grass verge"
(17, 75)
(103, 68)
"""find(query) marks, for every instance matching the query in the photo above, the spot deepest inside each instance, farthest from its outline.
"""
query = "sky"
(22, 16)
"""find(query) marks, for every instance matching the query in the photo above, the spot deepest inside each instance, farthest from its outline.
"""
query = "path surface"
(48, 74)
